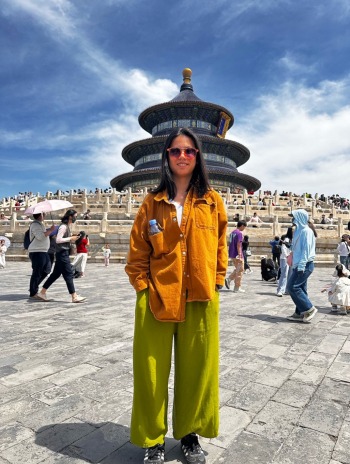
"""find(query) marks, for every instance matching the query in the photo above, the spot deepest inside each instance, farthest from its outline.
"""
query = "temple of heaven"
(209, 121)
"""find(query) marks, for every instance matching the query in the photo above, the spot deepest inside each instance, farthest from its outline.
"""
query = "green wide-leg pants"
(196, 384)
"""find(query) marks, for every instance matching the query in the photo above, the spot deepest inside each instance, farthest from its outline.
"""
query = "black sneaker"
(154, 455)
(227, 283)
(192, 449)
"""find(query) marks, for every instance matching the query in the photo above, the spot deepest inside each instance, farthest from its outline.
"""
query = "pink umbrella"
(47, 206)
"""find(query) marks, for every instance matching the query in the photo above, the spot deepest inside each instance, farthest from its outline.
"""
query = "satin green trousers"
(196, 365)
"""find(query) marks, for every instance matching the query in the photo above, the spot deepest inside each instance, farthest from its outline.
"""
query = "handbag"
(290, 259)
(248, 252)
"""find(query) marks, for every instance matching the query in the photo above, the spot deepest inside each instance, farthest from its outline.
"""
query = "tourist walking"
(343, 250)
(246, 254)
(284, 268)
(63, 266)
(339, 290)
(3, 249)
(276, 251)
(303, 255)
(177, 263)
(38, 254)
(80, 259)
(235, 252)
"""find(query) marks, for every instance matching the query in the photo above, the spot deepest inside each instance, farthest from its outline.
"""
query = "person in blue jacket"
(303, 248)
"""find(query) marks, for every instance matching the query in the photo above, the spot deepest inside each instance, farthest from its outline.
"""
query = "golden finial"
(187, 73)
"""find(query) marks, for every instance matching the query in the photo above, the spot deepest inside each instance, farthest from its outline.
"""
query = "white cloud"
(61, 21)
(294, 64)
(298, 138)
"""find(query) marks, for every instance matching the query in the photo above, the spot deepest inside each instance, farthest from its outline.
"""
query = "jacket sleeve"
(222, 258)
(303, 257)
(138, 261)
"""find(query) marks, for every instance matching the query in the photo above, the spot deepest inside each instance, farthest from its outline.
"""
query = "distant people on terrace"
(255, 221)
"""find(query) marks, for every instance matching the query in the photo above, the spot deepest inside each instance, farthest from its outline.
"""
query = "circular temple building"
(210, 123)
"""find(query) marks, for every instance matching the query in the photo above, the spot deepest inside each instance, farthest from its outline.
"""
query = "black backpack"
(276, 249)
(26, 240)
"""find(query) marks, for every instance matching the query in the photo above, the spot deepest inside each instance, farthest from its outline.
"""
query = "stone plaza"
(66, 375)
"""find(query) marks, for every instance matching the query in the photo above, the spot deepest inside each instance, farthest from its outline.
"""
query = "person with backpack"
(276, 251)
(39, 244)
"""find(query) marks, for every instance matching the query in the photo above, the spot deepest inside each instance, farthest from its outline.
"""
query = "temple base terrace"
(112, 216)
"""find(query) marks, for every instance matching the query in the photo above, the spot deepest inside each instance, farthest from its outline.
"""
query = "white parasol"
(47, 206)
(7, 241)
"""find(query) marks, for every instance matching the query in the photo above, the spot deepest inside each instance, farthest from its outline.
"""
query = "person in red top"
(80, 260)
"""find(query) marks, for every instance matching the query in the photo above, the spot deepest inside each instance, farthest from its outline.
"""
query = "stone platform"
(66, 375)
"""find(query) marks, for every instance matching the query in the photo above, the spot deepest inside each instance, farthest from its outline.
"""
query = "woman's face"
(183, 166)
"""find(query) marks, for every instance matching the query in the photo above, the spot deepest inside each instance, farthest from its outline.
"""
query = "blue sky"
(75, 74)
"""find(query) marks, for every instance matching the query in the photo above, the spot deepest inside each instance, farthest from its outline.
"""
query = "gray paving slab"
(66, 375)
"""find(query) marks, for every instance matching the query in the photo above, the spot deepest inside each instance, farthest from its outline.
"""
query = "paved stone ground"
(66, 375)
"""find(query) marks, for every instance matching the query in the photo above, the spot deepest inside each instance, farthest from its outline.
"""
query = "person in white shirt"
(255, 220)
(3, 249)
(343, 250)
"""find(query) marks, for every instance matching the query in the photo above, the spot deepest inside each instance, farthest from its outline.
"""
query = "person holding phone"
(63, 266)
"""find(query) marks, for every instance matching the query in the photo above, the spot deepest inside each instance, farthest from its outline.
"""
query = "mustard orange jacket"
(179, 264)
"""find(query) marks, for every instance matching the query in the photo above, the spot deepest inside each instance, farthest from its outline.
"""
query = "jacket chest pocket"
(205, 215)
(159, 244)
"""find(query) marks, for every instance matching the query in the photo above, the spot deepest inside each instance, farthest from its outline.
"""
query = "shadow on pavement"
(97, 442)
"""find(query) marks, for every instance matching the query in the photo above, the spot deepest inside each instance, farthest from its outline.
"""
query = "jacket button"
(181, 235)
(174, 219)
(184, 252)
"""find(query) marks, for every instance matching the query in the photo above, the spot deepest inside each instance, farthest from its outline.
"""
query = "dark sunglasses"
(189, 153)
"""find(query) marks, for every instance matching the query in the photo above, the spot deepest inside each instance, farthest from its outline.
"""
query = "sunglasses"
(189, 153)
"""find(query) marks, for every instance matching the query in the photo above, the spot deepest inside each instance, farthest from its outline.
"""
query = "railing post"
(13, 221)
(114, 195)
(106, 205)
(313, 209)
(269, 207)
(275, 226)
(104, 223)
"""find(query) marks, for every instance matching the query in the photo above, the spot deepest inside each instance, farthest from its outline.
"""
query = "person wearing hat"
(63, 266)
(304, 251)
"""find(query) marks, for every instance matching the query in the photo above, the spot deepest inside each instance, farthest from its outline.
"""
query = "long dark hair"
(67, 215)
(82, 235)
(199, 180)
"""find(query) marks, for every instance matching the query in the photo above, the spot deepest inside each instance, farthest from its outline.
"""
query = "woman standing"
(79, 262)
(3, 249)
(246, 253)
(303, 248)
(63, 266)
(177, 273)
(344, 251)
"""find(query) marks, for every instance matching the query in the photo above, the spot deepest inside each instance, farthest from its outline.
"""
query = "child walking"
(339, 290)
(106, 253)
